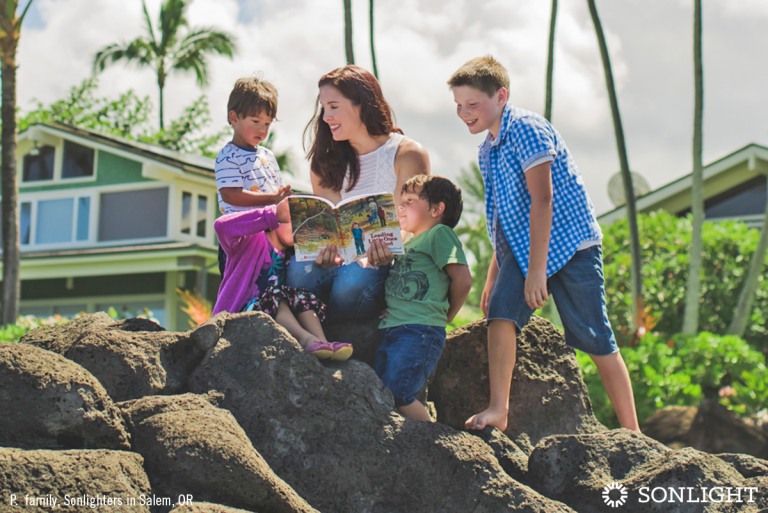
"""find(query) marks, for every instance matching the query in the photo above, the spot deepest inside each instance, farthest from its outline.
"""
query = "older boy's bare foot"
(489, 417)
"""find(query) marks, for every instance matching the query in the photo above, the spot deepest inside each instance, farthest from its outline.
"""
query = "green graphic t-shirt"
(417, 286)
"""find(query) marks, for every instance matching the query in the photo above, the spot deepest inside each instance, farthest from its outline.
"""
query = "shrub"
(666, 240)
(682, 370)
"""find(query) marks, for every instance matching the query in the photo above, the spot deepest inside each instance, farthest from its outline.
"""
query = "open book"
(351, 225)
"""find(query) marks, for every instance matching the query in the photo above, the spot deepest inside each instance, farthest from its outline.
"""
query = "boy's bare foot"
(489, 417)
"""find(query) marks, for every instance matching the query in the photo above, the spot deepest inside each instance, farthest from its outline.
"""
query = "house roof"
(749, 153)
(196, 164)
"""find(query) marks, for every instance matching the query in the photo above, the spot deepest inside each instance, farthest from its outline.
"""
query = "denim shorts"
(406, 357)
(351, 292)
(579, 295)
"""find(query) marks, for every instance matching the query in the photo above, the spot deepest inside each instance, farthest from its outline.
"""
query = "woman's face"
(342, 117)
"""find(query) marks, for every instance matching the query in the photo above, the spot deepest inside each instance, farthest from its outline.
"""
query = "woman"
(355, 149)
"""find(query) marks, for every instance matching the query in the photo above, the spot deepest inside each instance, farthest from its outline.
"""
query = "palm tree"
(747, 296)
(348, 31)
(550, 62)
(10, 33)
(170, 49)
(373, 50)
(629, 191)
(693, 290)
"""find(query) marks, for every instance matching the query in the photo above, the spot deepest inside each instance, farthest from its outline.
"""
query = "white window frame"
(93, 223)
(210, 213)
(58, 164)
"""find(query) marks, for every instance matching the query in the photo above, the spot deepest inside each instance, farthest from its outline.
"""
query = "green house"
(734, 188)
(106, 222)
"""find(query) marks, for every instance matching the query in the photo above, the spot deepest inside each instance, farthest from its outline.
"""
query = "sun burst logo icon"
(615, 503)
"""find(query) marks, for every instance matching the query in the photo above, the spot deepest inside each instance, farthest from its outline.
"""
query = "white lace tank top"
(377, 170)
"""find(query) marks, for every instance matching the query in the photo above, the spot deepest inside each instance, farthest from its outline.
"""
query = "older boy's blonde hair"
(251, 96)
(485, 74)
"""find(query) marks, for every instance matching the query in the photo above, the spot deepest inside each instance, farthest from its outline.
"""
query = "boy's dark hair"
(252, 96)
(436, 189)
(485, 74)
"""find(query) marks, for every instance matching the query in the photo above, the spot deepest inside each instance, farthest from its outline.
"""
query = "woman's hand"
(379, 254)
(485, 298)
(283, 212)
(328, 257)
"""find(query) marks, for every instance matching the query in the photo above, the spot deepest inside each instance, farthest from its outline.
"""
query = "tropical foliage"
(682, 370)
(173, 46)
(727, 249)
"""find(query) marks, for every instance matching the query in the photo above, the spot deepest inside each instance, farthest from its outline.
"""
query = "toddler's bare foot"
(490, 417)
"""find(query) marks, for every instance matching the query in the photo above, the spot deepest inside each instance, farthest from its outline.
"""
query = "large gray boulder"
(134, 364)
(193, 448)
(576, 469)
(330, 431)
(49, 402)
(547, 395)
(205, 507)
(75, 479)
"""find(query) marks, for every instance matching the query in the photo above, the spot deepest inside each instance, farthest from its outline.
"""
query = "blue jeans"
(351, 292)
(406, 357)
(579, 295)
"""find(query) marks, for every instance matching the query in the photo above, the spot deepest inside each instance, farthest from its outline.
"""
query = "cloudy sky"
(419, 43)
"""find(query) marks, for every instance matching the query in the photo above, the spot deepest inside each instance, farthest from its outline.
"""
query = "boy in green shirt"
(424, 290)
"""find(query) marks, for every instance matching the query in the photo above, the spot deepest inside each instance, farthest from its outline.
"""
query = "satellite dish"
(616, 188)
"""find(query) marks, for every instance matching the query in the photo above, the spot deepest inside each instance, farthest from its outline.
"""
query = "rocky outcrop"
(670, 424)
(49, 402)
(271, 428)
(193, 448)
(131, 365)
(60, 339)
(716, 430)
(76, 480)
(330, 431)
(576, 469)
(547, 396)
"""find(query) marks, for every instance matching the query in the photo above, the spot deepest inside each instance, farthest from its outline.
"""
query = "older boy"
(542, 225)
(424, 290)
(247, 175)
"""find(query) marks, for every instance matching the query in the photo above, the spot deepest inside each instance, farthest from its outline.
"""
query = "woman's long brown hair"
(330, 159)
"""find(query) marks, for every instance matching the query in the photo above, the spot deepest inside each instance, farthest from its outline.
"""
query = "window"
(194, 218)
(78, 161)
(83, 217)
(25, 222)
(133, 214)
(54, 221)
(40, 166)
(202, 215)
(186, 212)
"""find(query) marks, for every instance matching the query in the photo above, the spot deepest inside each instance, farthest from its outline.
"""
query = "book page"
(367, 218)
(315, 225)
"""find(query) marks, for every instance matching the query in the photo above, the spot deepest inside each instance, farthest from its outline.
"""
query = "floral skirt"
(298, 300)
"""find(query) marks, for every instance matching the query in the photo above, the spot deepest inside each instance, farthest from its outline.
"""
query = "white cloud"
(419, 43)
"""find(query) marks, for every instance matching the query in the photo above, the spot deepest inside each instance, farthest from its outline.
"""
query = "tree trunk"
(550, 62)
(160, 85)
(693, 289)
(629, 191)
(373, 50)
(10, 220)
(747, 296)
(348, 31)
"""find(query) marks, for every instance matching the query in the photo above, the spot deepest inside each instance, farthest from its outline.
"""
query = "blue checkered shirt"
(525, 137)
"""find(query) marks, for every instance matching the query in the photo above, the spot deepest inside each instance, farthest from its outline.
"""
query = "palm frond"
(173, 16)
(191, 55)
(148, 20)
(141, 51)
